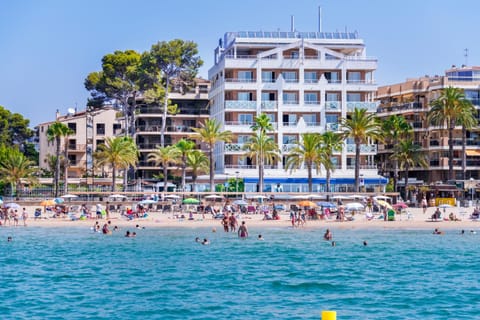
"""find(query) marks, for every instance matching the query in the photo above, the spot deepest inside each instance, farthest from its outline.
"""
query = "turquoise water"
(293, 274)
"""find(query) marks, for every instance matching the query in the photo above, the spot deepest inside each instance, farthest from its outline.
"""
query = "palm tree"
(185, 147)
(119, 153)
(330, 142)
(446, 111)
(408, 154)
(467, 119)
(210, 133)
(16, 168)
(395, 128)
(262, 123)
(265, 150)
(306, 152)
(198, 162)
(164, 156)
(54, 133)
(360, 126)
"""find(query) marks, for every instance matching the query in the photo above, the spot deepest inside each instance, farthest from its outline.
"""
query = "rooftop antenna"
(466, 56)
(319, 19)
(292, 23)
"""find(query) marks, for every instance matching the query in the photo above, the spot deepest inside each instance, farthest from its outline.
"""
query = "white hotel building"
(305, 82)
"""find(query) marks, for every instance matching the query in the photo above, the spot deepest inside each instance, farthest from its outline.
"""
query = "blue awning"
(333, 181)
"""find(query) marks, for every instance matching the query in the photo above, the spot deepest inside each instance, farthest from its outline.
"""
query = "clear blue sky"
(48, 47)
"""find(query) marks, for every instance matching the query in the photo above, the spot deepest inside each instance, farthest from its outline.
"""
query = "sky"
(48, 47)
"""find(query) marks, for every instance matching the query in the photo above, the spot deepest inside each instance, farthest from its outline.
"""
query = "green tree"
(118, 153)
(330, 142)
(306, 153)
(210, 133)
(171, 64)
(360, 126)
(446, 111)
(184, 147)
(408, 154)
(395, 128)
(164, 156)
(56, 132)
(262, 123)
(198, 163)
(14, 130)
(15, 168)
(118, 82)
(265, 150)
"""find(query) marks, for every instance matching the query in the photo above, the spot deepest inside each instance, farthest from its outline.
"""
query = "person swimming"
(365, 243)
(328, 235)
(205, 242)
(260, 237)
(437, 231)
(197, 239)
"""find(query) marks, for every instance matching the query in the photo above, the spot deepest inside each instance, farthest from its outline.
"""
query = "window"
(354, 77)
(72, 144)
(310, 77)
(294, 55)
(331, 118)
(245, 76)
(245, 118)
(290, 76)
(99, 142)
(245, 96)
(289, 139)
(243, 139)
(116, 127)
(310, 119)
(72, 126)
(332, 77)
(332, 97)
(354, 97)
(100, 129)
(268, 76)
(268, 96)
(290, 98)
(311, 98)
(72, 159)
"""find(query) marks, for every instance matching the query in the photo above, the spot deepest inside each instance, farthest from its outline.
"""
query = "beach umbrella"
(117, 196)
(326, 204)
(240, 202)
(147, 201)
(300, 197)
(443, 206)
(384, 204)
(356, 196)
(382, 198)
(307, 203)
(49, 202)
(340, 197)
(172, 196)
(213, 197)
(68, 196)
(400, 205)
(59, 200)
(12, 205)
(354, 206)
(190, 201)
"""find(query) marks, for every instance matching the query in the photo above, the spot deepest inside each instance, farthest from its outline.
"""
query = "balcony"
(332, 126)
(364, 148)
(240, 104)
(290, 102)
(76, 147)
(234, 147)
(398, 108)
(240, 80)
(312, 103)
(370, 106)
(312, 124)
(363, 166)
(333, 106)
(269, 105)
(288, 147)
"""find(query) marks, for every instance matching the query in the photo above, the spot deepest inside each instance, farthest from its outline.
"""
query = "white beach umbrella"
(117, 196)
(69, 196)
(213, 196)
(356, 196)
(340, 197)
(354, 206)
(172, 196)
(382, 198)
(147, 201)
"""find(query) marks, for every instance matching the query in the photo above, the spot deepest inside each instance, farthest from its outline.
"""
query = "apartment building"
(192, 112)
(412, 99)
(89, 130)
(304, 82)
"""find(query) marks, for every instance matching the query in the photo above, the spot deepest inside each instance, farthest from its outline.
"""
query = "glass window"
(331, 118)
(310, 77)
(332, 97)
(290, 98)
(354, 97)
(100, 128)
(245, 118)
(245, 96)
(290, 76)
(268, 76)
(243, 139)
(289, 139)
(310, 119)
(72, 126)
(245, 76)
(354, 76)
(311, 98)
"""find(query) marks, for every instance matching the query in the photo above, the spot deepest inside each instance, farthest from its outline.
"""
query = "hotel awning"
(473, 153)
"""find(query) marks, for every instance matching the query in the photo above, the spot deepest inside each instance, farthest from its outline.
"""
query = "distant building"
(304, 82)
(412, 99)
(192, 112)
(90, 130)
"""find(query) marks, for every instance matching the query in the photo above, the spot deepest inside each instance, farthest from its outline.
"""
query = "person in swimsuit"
(243, 231)
(328, 235)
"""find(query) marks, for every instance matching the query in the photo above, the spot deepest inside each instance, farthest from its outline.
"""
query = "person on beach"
(15, 218)
(24, 217)
(328, 235)
(424, 205)
(107, 210)
(233, 222)
(243, 231)
(225, 222)
(292, 218)
(99, 211)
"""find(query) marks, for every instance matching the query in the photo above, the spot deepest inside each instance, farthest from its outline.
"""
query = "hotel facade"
(304, 82)
(411, 99)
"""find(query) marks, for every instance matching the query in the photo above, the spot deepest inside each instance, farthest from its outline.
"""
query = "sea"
(163, 273)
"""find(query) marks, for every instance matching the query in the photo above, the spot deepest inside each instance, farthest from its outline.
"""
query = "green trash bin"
(391, 215)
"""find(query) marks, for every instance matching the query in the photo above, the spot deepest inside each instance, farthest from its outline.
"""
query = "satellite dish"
(71, 111)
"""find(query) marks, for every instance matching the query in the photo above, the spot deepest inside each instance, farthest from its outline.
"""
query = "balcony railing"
(290, 102)
(333, 106)
(234, 147)
(240, 80)
(370, 106)
(364, 148)
(401, 107)
(363, 166)
(456, 142)
(240, 104)
(316, 102)
(239, 123)
(290, 124)
(269, 105)
(332, 126)
(312, 124)
(77, 147)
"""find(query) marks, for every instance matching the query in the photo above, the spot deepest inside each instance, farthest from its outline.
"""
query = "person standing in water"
(243, 231)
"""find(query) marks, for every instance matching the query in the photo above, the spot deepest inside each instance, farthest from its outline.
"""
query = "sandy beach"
(415, 220)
